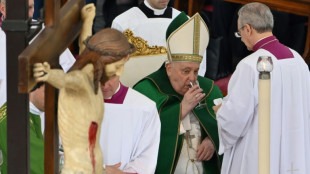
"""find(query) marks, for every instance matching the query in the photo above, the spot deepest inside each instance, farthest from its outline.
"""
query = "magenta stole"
(273, 45)
(119, 97)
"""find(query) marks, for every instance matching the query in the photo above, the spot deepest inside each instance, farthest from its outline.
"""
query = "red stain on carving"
(92, 132)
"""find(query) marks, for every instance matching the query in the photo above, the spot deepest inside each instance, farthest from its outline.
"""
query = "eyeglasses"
(237, 33)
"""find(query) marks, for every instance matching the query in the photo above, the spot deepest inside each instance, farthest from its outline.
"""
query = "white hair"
(257, 15)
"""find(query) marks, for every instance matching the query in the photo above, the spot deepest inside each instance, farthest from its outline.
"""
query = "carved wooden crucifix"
(62, 26)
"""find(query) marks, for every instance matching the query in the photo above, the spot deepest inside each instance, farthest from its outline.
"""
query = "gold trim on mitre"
(142, 48)
(187, 57)
(199, 29)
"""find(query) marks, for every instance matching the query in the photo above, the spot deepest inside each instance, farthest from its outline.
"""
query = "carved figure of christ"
(80, 106)
(62, 26)
(80, 113)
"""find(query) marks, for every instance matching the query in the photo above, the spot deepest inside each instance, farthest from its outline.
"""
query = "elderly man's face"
(181, 74)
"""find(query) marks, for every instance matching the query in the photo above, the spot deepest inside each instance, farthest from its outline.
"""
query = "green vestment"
(36, 142)
(158, 88)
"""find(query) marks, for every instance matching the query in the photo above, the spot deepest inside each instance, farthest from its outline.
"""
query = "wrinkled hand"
(114, 169)
(41, 71)
(191, 99)
(216, 108)
(205, 150)
(88, 12)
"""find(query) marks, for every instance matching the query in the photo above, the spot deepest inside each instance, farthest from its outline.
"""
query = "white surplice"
(153, 30)
(290, 117)
(130, 134)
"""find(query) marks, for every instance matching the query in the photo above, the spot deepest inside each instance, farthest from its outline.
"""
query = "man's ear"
(249, 29)
(168, 68)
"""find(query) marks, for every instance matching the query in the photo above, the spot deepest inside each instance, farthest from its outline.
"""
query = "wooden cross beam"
(62, 27)
(51, 42)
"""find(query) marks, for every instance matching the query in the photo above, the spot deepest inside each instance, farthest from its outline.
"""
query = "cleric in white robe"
(130, 131)
(149, 21)
(290, 102)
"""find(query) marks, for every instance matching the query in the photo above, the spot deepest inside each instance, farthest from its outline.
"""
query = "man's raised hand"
(191, 99)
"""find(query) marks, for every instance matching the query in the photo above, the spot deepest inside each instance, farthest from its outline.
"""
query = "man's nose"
(192, 77)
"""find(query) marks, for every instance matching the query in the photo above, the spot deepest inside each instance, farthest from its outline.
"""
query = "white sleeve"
(2, 55)
(2, 67)
(145, 158)
(66, 60)
(203, 65)
(238, 108)
(116, 25)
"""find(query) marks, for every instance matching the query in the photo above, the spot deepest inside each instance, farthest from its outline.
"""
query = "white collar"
(156, 11)
(34, 110)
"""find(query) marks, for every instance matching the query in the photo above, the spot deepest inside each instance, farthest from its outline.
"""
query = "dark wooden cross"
(62, 26)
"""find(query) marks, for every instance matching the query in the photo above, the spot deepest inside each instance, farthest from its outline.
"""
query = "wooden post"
(15, 26)
(51, 141)
(51, 138)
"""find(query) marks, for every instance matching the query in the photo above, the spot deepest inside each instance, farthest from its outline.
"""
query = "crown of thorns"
(108, 52)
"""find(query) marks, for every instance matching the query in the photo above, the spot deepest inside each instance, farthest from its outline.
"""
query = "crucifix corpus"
(80, 108)
(62, 26)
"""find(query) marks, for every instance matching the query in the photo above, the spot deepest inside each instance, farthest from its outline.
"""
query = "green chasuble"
(36, 143)
(158, 88)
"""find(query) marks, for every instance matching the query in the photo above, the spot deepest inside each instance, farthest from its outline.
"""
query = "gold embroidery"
(196, 34)
(3, 112)
(186, 57)
(176, 143)
(142, 47)
(212, 115)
